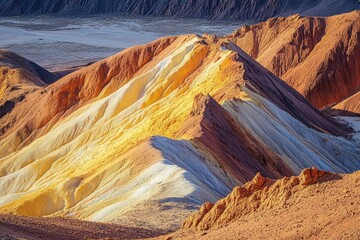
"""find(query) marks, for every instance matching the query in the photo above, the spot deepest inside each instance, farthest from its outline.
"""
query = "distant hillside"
(327, 49)
(210, 9)
(19, 77)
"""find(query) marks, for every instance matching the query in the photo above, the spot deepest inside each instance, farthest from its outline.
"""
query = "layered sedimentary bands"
(161, 128)
(213, 9)
(323, 52)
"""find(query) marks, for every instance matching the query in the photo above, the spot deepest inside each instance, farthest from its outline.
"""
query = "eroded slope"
(19, 77)
(319, 57)
(213, 9)
(138, 131)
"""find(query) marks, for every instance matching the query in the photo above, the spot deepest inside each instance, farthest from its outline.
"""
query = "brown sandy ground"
(15, 227)
(329, 209)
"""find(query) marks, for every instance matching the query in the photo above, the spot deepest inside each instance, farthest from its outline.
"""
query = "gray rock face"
(209, 9)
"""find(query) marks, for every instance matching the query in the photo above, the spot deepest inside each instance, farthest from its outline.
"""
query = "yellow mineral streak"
(97, 146)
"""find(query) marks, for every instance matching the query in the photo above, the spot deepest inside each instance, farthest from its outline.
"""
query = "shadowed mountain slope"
(211, 9)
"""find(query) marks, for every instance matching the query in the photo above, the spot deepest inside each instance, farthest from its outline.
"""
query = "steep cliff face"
(212, 9)
(319, 57)
(238, 153)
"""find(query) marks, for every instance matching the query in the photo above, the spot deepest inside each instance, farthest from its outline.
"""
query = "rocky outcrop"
(319, 57)
(259, 193)
(211, 9)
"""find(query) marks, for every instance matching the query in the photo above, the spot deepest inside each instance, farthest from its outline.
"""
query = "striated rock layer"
(77, 89)
(213, 9)
(160, 128)
(319, 57)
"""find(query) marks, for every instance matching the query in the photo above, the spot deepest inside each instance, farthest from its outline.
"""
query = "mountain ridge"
(209, 9)
(162, 128)
(144, 143)
(327, 49)
(19, 77)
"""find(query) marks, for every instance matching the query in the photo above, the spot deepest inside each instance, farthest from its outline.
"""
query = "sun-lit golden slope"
(319, 57)
(158, 128)
(33, 118)
(350, 105)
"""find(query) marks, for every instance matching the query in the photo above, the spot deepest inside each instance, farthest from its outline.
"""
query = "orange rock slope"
(19, 77)
(259, 193)
(33, 117)
(316, 204)
(326, 49)
(319, 57)
(160, 128)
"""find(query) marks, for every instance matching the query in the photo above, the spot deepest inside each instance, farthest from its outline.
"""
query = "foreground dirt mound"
(314, 205)
(257, 194)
